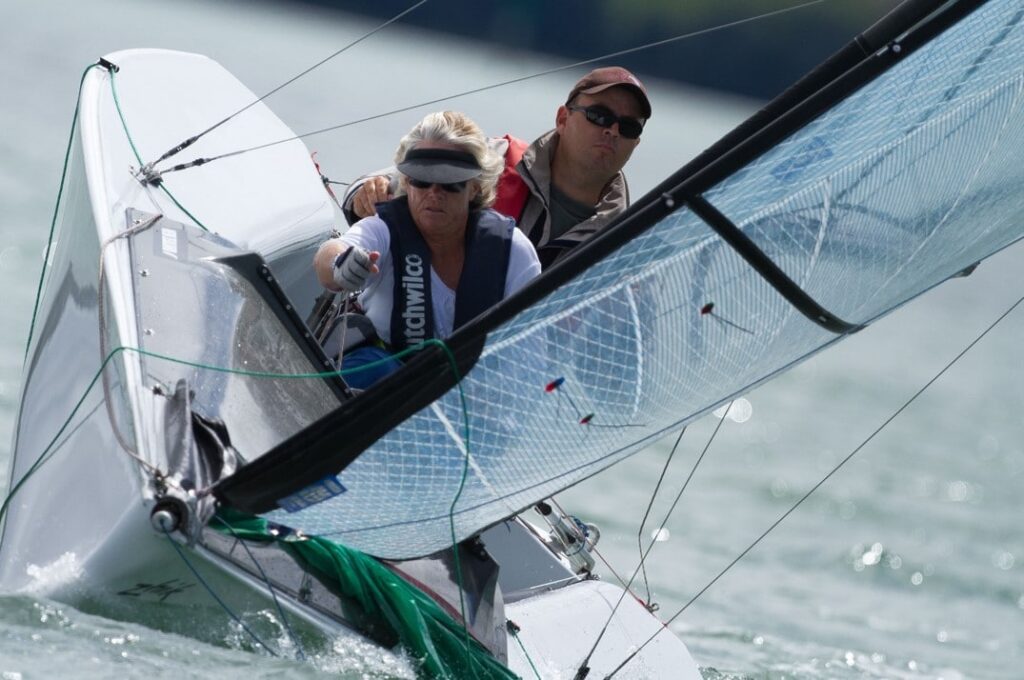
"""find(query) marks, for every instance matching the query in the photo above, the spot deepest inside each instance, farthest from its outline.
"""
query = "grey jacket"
(535, 221)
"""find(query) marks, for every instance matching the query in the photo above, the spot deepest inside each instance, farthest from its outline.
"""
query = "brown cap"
(601, 79)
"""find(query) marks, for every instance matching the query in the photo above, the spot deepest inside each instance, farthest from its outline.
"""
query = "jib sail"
(893, 167)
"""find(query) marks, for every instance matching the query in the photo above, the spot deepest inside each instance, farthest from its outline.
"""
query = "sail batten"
(788, 288)
(909, 174)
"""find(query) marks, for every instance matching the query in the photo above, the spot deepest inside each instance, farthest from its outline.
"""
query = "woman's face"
(437, 212)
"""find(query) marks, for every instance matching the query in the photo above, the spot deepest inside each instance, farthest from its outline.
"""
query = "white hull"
(79, 528)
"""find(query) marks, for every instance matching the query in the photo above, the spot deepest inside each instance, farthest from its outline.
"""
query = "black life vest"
(481, 283)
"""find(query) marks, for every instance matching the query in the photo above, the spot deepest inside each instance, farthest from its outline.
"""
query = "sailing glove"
(351, 269)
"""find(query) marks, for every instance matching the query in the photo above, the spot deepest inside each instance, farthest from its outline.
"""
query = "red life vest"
(512, 190)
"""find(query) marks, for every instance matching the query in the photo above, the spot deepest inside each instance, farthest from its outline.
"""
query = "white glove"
(352, 268)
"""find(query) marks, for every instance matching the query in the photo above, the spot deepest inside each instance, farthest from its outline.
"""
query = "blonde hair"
(457, 129)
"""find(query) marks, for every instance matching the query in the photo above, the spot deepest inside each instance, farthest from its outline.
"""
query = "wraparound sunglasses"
(629, 127)
(451, 188)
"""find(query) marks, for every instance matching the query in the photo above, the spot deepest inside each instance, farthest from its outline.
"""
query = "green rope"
(43, 457)
(514, 632)
(458, 493)
(131, 143)
(472, 659)
(378, 602)
(444, 347)
(271, 374)
(60, 191)
(56, 208)
(48, 450)
(120, 114)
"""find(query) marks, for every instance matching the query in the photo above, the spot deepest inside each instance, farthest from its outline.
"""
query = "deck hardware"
(165, 517)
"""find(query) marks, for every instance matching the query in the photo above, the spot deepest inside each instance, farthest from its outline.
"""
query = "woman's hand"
(338, 268)
(353, 267)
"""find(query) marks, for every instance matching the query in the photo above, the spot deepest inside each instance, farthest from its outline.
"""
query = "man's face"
(587, 145)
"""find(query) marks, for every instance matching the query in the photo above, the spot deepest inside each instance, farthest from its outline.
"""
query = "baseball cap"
(601, 79)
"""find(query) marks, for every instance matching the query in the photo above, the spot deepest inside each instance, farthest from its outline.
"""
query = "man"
(568, 184)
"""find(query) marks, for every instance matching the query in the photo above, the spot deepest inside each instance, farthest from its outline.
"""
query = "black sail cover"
(896, 165)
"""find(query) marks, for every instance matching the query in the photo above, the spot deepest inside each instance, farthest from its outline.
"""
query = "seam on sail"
(638, 339)
(549, 320)
(473, 465)
(774, 209)
(970, 181)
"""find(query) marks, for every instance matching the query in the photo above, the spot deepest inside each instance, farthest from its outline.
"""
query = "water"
(908, 563)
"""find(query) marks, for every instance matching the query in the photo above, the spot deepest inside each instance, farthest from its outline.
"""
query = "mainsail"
(893, 167)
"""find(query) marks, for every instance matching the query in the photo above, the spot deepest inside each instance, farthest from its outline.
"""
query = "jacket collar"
(536, 171)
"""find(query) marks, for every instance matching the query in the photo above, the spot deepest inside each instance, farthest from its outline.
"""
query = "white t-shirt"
(378, 296)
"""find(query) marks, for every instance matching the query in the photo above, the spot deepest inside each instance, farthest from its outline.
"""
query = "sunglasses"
(630, 128)
(451, 188)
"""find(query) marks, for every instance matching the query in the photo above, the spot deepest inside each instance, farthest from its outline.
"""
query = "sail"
(859, 194)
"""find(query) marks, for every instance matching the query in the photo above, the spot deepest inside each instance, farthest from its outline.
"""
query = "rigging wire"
(50, 449)
(821, 482)
(56, 209)
(101, 315)
(609, 567)
(214, 595)
(135, 150)
(647, 513)
(270, 587)
(584, 669)
(191, 140)
(643, 556)
(47, 454)
(594, 549)
(453, 364)
(156, 174)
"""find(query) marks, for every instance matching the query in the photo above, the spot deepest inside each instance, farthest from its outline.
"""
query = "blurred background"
(752, 58)
(909, 563)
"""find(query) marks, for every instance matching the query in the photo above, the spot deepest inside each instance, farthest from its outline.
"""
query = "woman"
(451, 256)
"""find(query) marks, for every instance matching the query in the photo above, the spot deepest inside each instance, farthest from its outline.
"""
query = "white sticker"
(169, 242)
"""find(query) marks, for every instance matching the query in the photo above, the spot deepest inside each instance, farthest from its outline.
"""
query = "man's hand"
(353, 267)
(373, 191)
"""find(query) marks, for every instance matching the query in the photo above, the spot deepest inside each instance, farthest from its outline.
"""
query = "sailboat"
(201, 441)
